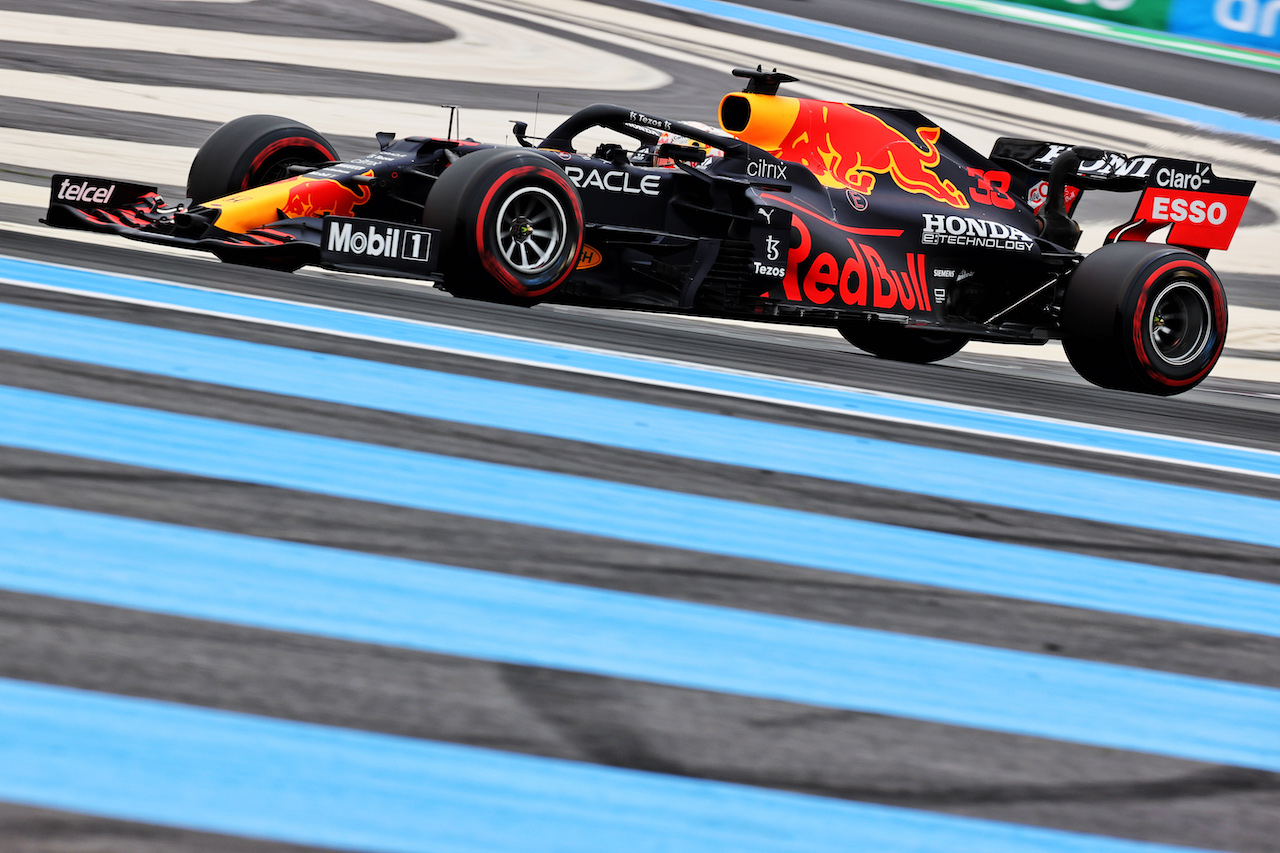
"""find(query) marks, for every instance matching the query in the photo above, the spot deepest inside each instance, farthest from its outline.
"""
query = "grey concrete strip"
(101, 122)
(27, 829)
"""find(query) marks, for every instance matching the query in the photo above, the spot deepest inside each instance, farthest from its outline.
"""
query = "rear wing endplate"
(1200, 209)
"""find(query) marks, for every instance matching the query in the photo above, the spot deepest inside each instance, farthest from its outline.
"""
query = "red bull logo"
(841, 144)
(320, 197)
(854, 275)
(302, 196)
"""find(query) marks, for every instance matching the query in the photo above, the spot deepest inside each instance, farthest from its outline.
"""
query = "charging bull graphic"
(296, 197)
(316, 198)
(841, 144)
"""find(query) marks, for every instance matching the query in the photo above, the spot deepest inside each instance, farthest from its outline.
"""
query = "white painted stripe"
(361, 117)
(483, 51)
(29, 195)
(143, 162)
(1253, 328)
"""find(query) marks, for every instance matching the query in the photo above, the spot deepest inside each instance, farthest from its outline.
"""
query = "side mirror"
(521, 129)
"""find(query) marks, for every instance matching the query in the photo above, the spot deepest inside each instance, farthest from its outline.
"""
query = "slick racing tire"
(1144, 317)
(887, 340)
(510, 226)
(251, 151)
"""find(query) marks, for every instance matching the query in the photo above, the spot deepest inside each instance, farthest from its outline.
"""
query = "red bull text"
(859, 277)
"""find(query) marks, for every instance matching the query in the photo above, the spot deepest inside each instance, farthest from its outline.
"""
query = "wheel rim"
(1180, 323)
(531, 230)
(272, 164)
(278, 170)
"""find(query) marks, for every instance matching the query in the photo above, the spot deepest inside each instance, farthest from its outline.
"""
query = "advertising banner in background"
(1243, 23)
(1247, 23)
(1151, 14)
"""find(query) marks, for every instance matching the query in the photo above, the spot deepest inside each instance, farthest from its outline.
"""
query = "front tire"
(1144, 317)
(898, 343)
(510, 226)
(252, 151)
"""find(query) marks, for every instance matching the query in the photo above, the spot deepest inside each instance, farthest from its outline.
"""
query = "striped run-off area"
(313, 562)
(292, 582)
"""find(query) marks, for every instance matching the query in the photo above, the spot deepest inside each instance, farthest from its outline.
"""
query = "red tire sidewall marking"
(280, 145)
(1219, 321)
(488, 257)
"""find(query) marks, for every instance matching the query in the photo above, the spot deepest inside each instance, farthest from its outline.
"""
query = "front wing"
(347, 244)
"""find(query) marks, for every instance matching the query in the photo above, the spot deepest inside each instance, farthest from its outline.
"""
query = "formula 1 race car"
(871, 220)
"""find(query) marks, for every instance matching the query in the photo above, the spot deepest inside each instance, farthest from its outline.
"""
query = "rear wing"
(1201, 210)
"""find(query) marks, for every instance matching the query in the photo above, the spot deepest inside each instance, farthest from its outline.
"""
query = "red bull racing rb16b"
(870, 220)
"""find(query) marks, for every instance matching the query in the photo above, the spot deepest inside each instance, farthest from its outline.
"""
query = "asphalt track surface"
(400, 596)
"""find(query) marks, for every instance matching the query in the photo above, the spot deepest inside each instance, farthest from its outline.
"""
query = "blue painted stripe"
(951, 60)
(236, 774)
(636, 426)
(1085, 437)
(210, 448)
(307, 589)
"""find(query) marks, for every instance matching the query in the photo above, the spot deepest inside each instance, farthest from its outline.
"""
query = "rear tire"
(898, 343)
(1144, 317)
(251, 151)
(510, 226)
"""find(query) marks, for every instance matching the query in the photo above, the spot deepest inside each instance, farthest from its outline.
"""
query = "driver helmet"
(676, 139)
